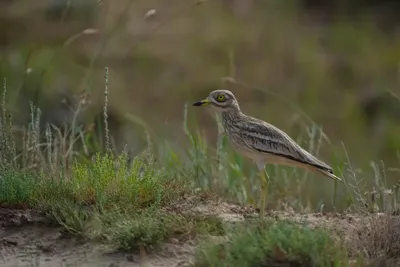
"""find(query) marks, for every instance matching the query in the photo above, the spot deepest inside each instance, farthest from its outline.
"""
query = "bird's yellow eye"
(220, 98)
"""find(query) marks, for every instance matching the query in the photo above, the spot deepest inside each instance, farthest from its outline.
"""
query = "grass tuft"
(280, 243)
(16, 188)
(130, 234)
(149, 229)
(104, 184)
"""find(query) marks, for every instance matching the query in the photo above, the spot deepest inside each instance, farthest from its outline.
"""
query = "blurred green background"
(291, 63)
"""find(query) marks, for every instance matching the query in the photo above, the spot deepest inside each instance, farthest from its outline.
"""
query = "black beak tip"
(196, 104)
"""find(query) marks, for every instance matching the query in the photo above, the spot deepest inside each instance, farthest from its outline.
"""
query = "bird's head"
(221, 99)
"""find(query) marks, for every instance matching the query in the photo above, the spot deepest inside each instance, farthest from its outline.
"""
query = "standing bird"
(261, 141)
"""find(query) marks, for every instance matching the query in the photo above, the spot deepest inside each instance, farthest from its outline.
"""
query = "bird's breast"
(241, 147)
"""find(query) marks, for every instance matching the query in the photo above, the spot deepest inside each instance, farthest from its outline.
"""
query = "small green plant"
(105, 183)
(150, 228)
(110, 180)
(271, 243)
(16, 188)
(132, 233)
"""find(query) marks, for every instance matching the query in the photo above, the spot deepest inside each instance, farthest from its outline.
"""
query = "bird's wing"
(266, 138)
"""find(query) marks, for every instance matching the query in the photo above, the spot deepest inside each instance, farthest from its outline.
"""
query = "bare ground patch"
(28, 238)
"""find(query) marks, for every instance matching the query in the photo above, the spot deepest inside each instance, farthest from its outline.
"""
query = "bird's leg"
(264, 188)
(264, 191)
(249, 196)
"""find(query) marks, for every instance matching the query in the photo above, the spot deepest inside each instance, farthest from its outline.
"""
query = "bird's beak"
(202, 102)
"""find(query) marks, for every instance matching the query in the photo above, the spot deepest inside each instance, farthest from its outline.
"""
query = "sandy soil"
(28, 239)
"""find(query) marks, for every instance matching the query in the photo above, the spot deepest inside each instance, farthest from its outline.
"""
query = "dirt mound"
(27, 238)
(211, 205)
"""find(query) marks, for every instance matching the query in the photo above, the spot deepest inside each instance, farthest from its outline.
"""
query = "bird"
(260, 141)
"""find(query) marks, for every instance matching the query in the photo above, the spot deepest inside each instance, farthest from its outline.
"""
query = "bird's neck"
(231, 115)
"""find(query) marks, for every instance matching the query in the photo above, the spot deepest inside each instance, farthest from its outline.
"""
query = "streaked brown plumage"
(261, 141)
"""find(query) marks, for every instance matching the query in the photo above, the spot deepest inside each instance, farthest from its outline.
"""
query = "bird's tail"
(330, 175)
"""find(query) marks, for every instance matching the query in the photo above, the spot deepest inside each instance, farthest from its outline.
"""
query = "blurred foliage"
(287, 61)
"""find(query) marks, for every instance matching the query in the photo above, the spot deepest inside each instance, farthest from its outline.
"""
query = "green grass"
(274, 243)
